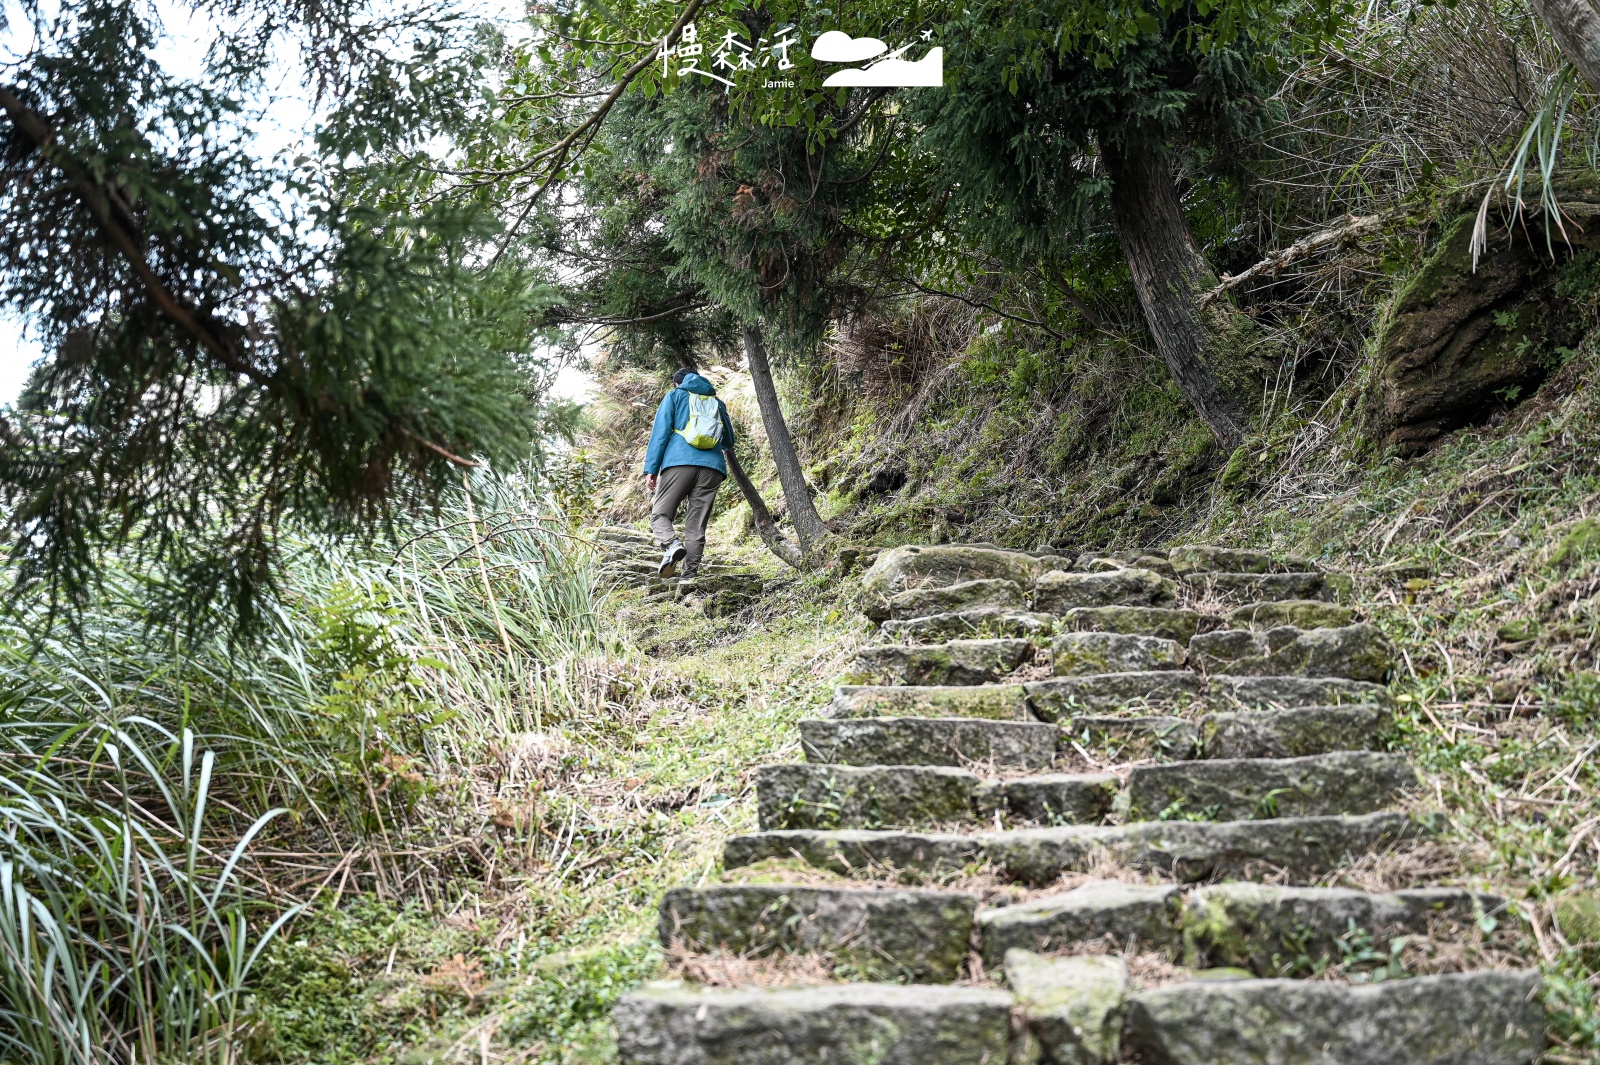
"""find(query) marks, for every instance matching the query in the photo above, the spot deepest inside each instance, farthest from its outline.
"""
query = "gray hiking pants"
(674, 485)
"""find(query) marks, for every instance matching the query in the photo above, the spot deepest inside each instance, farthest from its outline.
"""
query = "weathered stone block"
(906, 856)
(1488, 1018)
(1355, 652)
(1077, 654)
(1073, 1007)
(1168, 623)
(1257, 587)
(905, 568)
(1242, 789)
(930, 741)
(1134, 739)
(1293, 691)
(920, 936)
(953, 662)
(976, 623)
(1300, 613)
(999, 702)
(921, 602)
(1105, 562)
(880, 796)
(1064, 697)
(1049, 799)
(1293, 732)
(1289, 931)
(846, 1024)
(1134, 916)
(1057, 592)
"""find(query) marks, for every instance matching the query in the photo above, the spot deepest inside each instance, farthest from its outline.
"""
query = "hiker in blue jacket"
(684, 463)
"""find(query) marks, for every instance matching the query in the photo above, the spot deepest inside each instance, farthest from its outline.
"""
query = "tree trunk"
(776, 542)
(1206, 347)
(1575, 24)
(796, 493)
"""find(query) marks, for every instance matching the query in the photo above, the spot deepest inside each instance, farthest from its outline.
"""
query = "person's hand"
(650, 481)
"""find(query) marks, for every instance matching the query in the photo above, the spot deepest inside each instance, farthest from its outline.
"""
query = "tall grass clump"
(170, 801)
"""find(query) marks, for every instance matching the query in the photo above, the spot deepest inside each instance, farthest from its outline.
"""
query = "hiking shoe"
(671, 557)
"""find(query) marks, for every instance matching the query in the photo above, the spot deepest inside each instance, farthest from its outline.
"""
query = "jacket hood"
(693, 382)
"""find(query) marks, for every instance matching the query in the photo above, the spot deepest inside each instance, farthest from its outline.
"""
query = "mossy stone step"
(1104, 562)
(1355, 652)
(952, 662)
(1225, 691)
(1481, 1018)
(1059, 591)
(920, 936)
(1168, 623)
(922, 602)
(1293, 732)
(1301, 613)
(906, 796)
(1263, 587)
(932, 741)
(1134, 739)
(1076, 654)
(1242, 789)
(1071, 1008)
(974, 623)
(1285, 931)
(1298, 848)
(846, 1024)
(914, 567)
(1062, 697)
(998, 702)
(1135, 917)
(1204, 558)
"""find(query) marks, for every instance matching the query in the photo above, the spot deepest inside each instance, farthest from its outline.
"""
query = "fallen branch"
(1354, 226)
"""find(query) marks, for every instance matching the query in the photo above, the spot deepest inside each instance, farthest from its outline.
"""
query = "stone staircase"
(1077, 811)
(631, 557)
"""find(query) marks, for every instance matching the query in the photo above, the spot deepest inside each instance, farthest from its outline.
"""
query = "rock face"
(1460, 343)
(905, 568)
(1075, 654)
(1133, 916)
(952, 741)
(977, 622)
(1484, 1018)
(920, 602)
(1057, 591)
(887, 934)
(1072, 1007)
(1001, 702)
(1344, 782)
(879, 796)
(1166, 622)
(851, 1024)
(1355, 652)
(954, 662)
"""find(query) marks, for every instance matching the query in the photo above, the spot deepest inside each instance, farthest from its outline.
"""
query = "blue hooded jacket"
(668, 448)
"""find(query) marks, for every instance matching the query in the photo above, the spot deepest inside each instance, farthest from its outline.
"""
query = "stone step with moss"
(1294, 732)
(999, 702)
(1135, 918)
(1077, 654)
(1241, 789)
(1059, 591)
(1476, 1018)
(848, 1024)
(1296, 849)
(952, 662)
(1203, 558)
(1245, 588)
(1225, 691)
(1354, 652)
(930, 741)
(984, 622)
(1151, 559)
(924, 602)
(1060, 698)
(1168, 623)
(915, 936)
(1301, 613)
(913, 567)
(1112, 738)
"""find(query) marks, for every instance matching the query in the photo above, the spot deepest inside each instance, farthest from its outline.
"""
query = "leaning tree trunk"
(1205, 346)
(796, 493)
(776, 542)
(1575, 24)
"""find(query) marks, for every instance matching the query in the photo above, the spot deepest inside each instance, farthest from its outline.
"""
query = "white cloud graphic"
(891, 73)
(836, 47)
